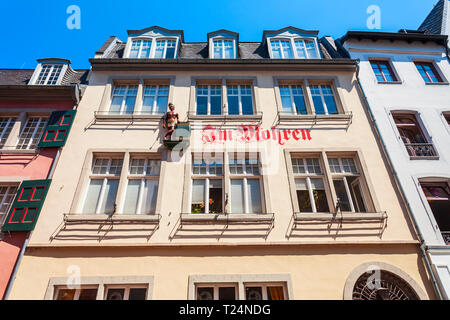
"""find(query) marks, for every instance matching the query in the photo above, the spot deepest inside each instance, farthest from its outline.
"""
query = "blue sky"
(37, 29)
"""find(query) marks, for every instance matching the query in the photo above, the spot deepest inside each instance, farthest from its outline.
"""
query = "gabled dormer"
(223, 44)
(292, 43)
(51, 71)
(153, 43)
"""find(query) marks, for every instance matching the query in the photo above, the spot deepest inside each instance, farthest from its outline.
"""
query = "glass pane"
(93, 194)
(233, 105)
(331, 105)
(215, 196)
(129, 104)
(109, 199)
(161, 104)
(88, 294)
(300, 104)
(216, 105)
(357, 196)
(131, 197)
(170, 53)
(341, 193)
(202, 105)
(237, 196)
(275, 293)
(253, 293)
(66, 294)
(115, 294)
(247, 105)
(147, 106)
(149, 198)
(286, 103)
(198, 196)
(205, 293)
(320, 197)
(254, 196)
(138, 294)
(116, 104)
(318, 105)
(303, 198)
(227, 293)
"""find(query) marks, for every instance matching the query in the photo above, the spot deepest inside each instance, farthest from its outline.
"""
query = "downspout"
(25, 244)
(416, 227)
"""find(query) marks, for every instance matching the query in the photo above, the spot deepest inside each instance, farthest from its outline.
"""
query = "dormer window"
(153, 48)
(49, 74)
(223, 49)
(281, 49)
(165, 49)
(140, 49)
(304, 49)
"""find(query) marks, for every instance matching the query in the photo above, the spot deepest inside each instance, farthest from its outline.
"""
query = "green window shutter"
(27, 205)
(57, 129)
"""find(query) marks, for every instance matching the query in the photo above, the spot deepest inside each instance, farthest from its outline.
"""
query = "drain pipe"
(25, 244)
(416, 227)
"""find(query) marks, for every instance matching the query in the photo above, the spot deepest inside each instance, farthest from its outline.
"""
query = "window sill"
(317, 119)
(18, 151)
(390, 82)
(102, 218)
(223, 117)
(130, 117)
(221, 217)
(346, 216)
(424, 158)
(437, 83)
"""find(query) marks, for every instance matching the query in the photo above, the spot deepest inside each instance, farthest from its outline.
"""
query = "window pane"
(253, 293)
(198, 196)
(275, 293)
(147, 106)
(161, 104)
(115, 294)
(233, 105)
(109, 199)
(137, 294)
(129, 104)
(237, 196)
(170, 53)
(216, 105)
(286, 103)
(320, 197)
(202, 105)
(132, 196)
(300, 104)
(331, 105)
(149, 198)
(88, 294)
(303, 198)
(227, 293)
(254, 196)
(215, 196)
(247, 105)
(356, 192)
(205, 293)
(341, 193)
(66, 294)
(311, 49)
(318, 105)
(93, 195)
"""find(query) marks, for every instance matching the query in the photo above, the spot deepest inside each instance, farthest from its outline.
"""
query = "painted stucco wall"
(412, 94)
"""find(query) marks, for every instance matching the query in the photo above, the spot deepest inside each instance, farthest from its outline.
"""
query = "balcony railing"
(420, 149)
(446, 236)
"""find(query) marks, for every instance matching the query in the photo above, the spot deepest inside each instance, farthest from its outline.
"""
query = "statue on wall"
(170, 121)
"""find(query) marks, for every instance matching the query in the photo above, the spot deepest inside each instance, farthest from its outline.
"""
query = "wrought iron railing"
(446, 236)
(420, 149)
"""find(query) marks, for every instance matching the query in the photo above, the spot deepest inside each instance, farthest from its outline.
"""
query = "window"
(207, 183)
(156, 98)
(103, 185)
(240, 99)
(323, 99)
(306, 49)
(142, 188)
(223, 49)
(6, 125)
(281, 49)
(245, 183)
(209, 99)
(309, 183)
(31, 133)
(216, 292)
(123, 99)
(140, 48)
(347, 184)
(49, 74)
(412, 136)
(383, 71)
(428, 72)
(7, 194)
(84, 293)
(438, 197)
(292, 99)
(165, 49)
(121, 292)
(447, 117)
(269, 291)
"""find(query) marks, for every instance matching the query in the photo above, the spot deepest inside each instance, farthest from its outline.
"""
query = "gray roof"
(433, 22)
(23, 76)
(199, 50)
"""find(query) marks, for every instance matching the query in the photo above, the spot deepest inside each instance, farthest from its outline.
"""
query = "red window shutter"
(57, 129)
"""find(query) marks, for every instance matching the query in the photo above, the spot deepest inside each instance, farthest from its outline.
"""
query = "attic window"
(49, 74)
(151, 48)
(294, 48)
(223, 49)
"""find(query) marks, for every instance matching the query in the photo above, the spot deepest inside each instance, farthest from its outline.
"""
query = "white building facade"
(405, 78)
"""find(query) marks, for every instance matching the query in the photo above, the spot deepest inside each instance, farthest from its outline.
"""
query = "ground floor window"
(438, 197)
(264, 291)
(216, 292)
(83, 293)
(120, 292)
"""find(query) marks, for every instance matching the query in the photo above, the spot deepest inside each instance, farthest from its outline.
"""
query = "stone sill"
(390, 82)
(128, 117)
(312, 117)
(350, 216)
(102, 218)
(257, 117)
(437, 83)
(424, 158)
(202, 217)
(18, 151)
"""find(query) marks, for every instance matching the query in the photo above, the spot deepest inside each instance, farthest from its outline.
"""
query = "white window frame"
(125, 96)
(33, 135)
(143, 178)
(342, 175)
(208, 108)
(52, 68)
(140, 48)
(308, 175)
(305, 50)
(10, 122)
(155, 107)
(104, 177)
(222, 46)
(166, 41)
(239, 95)
(126, 287)
(8, 193)
(293, 46)
(322, 96)
(291, 94)
(264, 286)
(153, 46)
(216, 287)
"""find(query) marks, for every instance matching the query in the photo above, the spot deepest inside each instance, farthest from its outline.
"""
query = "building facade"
(273, 186)
(405, 78)
(31, 103)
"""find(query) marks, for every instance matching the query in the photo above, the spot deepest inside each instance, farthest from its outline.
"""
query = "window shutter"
(27, 205)
(57, 130)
